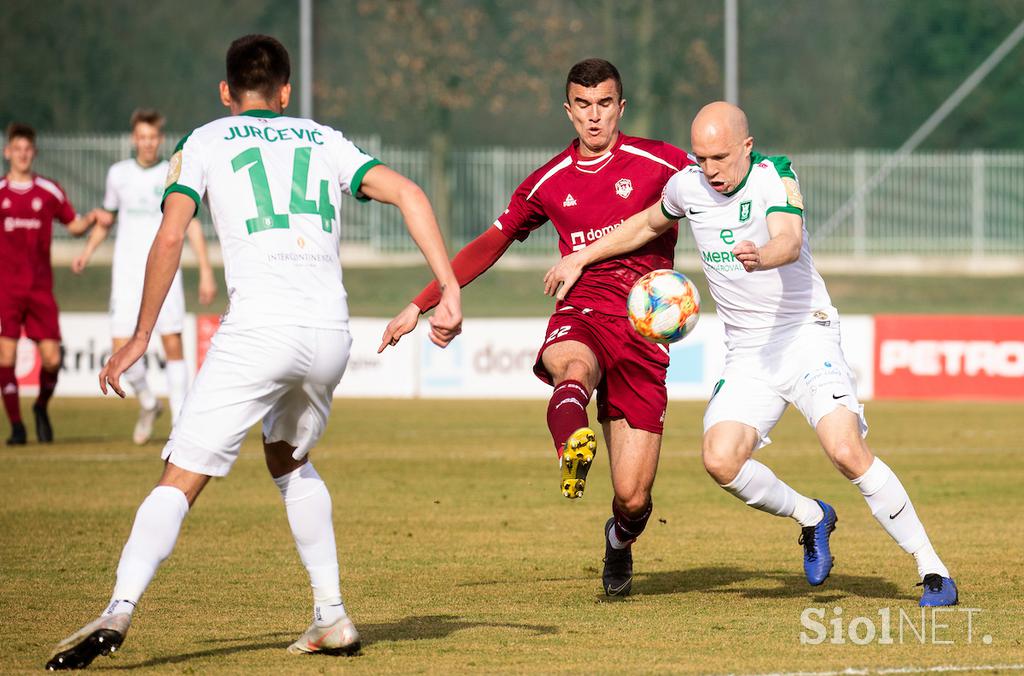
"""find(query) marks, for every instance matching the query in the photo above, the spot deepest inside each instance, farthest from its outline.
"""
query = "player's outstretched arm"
(635, 231)
(207, 282)
(388, 186)
(80, 224)
(787, 236)
(473, 260)
(161, 266)
(103, 220)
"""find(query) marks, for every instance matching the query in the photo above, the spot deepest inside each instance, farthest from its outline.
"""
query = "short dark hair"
(592, 72)
(21, 130)
(257, 63)
(147, 116)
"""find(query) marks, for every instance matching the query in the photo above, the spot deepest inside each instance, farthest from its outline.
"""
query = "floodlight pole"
(732, 32)
(306, 58)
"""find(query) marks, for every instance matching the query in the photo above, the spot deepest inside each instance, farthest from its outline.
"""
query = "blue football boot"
(817, 555)
(938, 591)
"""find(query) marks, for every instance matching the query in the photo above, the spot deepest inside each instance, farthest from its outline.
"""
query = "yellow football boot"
(577, 456)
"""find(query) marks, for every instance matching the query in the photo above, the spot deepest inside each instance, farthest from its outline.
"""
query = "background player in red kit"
(28, 205)
(587, 190)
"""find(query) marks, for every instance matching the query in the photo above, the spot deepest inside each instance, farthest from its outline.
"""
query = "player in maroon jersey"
(587, 190)
(28, 205)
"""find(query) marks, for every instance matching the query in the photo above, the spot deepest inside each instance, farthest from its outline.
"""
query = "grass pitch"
(382, 292)
(459, 554)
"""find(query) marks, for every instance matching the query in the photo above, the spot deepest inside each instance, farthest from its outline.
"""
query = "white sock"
(151, 541)
(177, 385)
(309, 514)
(758, 486)
(136, 377)
(614, 540)
(891, 506)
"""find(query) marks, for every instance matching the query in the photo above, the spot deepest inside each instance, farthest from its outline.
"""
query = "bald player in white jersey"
(782, 333)
(274, 185)
(132, 198)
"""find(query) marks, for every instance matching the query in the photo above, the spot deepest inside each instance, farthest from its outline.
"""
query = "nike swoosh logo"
(614, 591)
(693, 211)
(839, 396)
(893, 516)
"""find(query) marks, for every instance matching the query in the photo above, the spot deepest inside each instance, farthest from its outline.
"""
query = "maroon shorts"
(632, 369)
(36, 310)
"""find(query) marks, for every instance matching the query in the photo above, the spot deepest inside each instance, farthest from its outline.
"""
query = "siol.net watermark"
(893, 626)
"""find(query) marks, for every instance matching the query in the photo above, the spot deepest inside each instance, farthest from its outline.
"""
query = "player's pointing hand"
(119, 363)
(560, 278)
(403, 323)
(747, 253)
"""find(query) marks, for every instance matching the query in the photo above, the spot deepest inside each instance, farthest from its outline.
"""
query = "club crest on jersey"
(623, 187)
(6, 204)
(744, 211)
(793, 195)
(174, 170)
(37, 204)
(570, 201)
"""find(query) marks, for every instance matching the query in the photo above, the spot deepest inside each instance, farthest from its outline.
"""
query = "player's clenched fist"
(747, 253)
(447, 320)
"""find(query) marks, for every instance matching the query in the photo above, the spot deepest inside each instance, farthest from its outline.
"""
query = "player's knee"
(721, 462)
(579, 370)
(50, 362)
(851, 457)
(632, 502)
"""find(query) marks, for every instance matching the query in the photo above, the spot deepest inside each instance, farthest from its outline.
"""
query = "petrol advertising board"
(949, 357)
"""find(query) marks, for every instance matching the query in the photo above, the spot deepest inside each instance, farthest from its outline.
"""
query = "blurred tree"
(936, 47)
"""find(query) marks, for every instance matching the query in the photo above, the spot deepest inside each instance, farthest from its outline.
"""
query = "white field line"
(941, 669)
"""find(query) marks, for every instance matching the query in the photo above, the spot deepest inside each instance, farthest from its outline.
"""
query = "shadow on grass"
(720, 580)
(438, 626)
(413, 628)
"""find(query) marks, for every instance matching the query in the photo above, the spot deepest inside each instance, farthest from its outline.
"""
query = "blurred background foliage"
(457, 73)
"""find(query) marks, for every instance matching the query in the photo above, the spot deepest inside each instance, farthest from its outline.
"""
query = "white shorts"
(282, 375)
(808, 371)
(125, 300)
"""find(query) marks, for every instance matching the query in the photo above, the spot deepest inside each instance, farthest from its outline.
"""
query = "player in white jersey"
(135, 189)
(746, 214)
(274, 186)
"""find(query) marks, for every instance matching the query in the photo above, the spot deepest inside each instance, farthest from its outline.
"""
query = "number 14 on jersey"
(266, 218)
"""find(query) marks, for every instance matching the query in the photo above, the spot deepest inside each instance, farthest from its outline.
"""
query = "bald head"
(720, 139)
(720, 121)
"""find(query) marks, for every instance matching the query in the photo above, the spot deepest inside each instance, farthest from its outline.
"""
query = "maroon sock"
(628, 528)
(47, 384)
(567, 411)
(9, 387)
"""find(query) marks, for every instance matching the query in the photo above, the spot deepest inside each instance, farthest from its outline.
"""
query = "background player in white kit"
(134, 191)
(782, 334)
(274, 186)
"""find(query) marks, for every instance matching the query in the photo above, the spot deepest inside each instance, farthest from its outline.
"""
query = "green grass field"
(459, 554)
(382, 292)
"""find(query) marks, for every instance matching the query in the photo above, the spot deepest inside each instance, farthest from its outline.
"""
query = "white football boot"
(144, 425)
(102, 636)
(340, 638)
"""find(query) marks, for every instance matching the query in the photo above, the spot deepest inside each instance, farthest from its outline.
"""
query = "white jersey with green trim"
(274, 185)
(759, 307)
(134, 193)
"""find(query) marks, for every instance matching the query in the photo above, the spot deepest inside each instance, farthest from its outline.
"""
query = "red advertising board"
(206, 326)
(949, 357)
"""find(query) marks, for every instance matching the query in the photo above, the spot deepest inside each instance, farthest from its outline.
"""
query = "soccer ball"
(663, 306)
